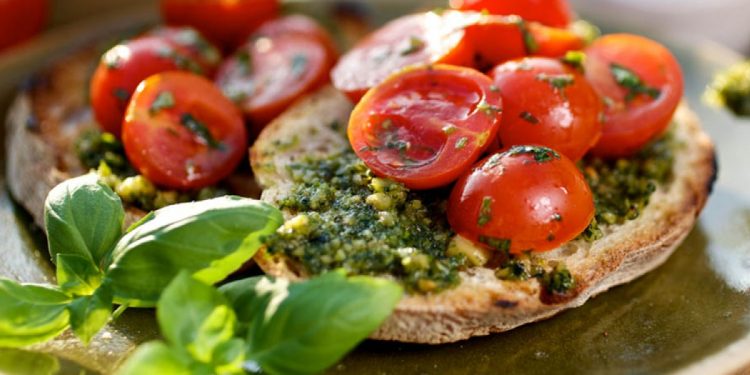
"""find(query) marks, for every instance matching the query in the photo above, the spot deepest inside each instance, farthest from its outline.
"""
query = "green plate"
(691, 315)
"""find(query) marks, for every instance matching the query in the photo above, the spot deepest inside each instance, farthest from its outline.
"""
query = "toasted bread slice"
(43, 124)
(482, 304)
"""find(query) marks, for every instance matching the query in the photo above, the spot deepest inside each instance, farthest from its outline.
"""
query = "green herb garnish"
(630, 81)
(165, 100)
(199, 130)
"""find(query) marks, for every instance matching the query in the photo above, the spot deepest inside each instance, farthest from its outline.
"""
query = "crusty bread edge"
(482, 304)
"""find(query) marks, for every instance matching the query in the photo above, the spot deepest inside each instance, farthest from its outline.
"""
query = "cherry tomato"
(548, 103)
(227, 23)
(416, 39)
(20, 20)
(122, 68)
(425, 126)
(497, 39)
(528, 198)
(268, 74)
(180, 132)
(641, 84)
(554, 13)
(191, 43)
(300, 25)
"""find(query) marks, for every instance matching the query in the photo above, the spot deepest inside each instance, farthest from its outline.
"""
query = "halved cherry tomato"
(641, 84)
(191, 43)
(122, 68)
(426, 125)
(554, 13)
(20, 20)
(299, 25)
(424, 38)
(548, 103)
(497, 39)
(526, 199)
(227, 23)
(180, 132)
(268, 74)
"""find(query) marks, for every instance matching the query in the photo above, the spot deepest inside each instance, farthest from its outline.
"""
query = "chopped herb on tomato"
(200, 130)
(485, 212)
(629, 80)
(528, 117)
(164, 100)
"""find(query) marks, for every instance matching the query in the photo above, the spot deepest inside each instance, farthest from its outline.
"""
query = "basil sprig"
(97, 265)
(263, 324)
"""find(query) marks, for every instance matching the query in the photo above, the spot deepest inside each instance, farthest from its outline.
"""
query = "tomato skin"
(120, 71)
(227, 23)
(21, 20)
(536, 205)
(537, 113)
(554, 13)
(631, 124)
(160, 145)
(426, 125)
(417, 39)
(268, 74)
(496, 39)
(191, 43)
(299, 25)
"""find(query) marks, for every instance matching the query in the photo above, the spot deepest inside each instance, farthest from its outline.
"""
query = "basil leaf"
(77, 275)
(88, 314)
(83, 217)
(30, 313)
(22, 362)
(154, 358)
(314, 324)
(195, 317)
(250, 297)
(211, 239)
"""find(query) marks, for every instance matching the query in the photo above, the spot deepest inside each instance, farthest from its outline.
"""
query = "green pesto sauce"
(344, 217)
(104, 154)
(731, 89)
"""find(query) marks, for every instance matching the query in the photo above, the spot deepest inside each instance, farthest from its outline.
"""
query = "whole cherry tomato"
(265, 76)
(424, 38)
(641, 84)
(191, 43)
(425, 126)
(554, 13)
(497, 39)
(180, 132)
(227, 23)
(20, 20)
(122, 68)
(299, 25)
(548, 103)
(528, 198)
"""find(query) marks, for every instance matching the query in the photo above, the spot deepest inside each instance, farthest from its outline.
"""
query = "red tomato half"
(554, 13)
(526, 199)
(20, 20)
(122, 68)
(180, 132)
(425, 126)
(424, 38)
(299, 25)
(265, 76)
(548, 103)
(227, 23)
(497, 39)
(641, 84)
(191, 43)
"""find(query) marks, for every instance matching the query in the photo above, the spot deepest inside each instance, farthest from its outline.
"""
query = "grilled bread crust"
(482, 304)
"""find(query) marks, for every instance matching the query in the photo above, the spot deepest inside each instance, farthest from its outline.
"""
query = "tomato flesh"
(526, 199)
(180, 132)
(191, 43)
(299, 25)
(20, 20)
(641, 84)
(120, 71)
(548, 103)
(426, 125)
(265, 76)
(554, 13)
(424, 38)
(227, 23)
